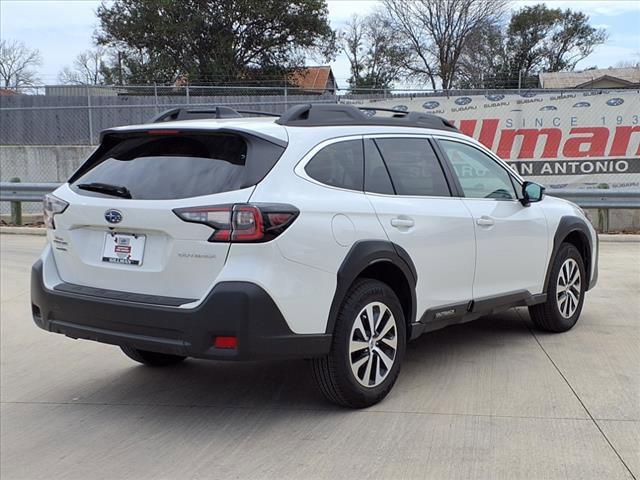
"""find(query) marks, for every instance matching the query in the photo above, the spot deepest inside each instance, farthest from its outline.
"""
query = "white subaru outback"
(332, 232)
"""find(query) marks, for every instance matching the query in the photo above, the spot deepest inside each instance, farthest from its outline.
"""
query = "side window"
(376, 176)
(479, 174)
(413, 166)
(339, 165)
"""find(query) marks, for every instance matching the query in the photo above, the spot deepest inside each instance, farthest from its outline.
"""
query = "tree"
(437, 31)
(210, 40)
(376, 61)
(18, 64)
(544, 39)
(629, 63)
(88, 68)
(482, 61)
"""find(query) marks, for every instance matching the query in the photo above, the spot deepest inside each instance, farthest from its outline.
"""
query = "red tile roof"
(313, 78)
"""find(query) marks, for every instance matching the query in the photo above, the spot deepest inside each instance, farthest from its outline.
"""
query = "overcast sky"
(62, 29)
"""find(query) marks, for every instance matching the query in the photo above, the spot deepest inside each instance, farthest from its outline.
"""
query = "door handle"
(485, 221)
(402, 222)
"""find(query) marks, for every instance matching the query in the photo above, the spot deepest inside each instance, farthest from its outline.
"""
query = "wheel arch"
(572, 230)
(380, 260)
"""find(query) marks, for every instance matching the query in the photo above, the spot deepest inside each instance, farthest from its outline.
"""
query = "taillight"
(241, 222)
(52, 206)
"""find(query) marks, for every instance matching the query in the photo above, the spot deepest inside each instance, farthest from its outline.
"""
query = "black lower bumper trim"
(239, 309)
(124, 296)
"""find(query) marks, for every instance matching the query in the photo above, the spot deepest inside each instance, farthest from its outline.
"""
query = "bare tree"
(88, 69)
(629, 63)
(18, 63)
(376, 59)
(436, 31)
(351, 40)
(411, 31)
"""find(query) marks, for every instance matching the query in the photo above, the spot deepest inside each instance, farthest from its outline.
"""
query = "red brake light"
(241, 222)
(278, 219)
(163, 132)
(247, 224)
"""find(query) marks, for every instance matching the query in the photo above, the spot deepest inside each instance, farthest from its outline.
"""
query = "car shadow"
(289, 385)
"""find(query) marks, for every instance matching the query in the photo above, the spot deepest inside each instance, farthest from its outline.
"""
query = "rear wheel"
(153, 359)
(369, 342)
(565, 292)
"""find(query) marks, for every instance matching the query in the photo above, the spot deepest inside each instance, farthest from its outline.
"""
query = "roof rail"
(310, 115)
(215, 113)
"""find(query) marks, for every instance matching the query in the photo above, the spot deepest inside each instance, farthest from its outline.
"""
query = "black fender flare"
(362, 254)
(567, 225)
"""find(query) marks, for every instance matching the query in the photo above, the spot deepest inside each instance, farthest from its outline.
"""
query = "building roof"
(5, 92)
(313, 78)
(626, 76)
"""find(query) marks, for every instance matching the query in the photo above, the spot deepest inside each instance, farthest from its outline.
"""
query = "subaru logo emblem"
(113, 216)
(614, 102)
(463, 101)
(430, 105)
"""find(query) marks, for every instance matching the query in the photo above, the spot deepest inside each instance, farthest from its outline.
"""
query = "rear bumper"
(240, 309)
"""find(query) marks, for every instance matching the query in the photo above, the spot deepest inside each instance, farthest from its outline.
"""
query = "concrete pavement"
(490, 399)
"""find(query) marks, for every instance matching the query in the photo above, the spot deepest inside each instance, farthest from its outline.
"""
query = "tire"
(561, 310)
(365, 376)
(152, 359)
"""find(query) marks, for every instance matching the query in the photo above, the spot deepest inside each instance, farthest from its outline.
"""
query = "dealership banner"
(572, 140)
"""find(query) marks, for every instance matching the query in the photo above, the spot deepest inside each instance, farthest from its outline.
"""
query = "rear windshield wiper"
(106, 188)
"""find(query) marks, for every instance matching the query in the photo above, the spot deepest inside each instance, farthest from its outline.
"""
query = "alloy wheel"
(568, 288)
(373, 344)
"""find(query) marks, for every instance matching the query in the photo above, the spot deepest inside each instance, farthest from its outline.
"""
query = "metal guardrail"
(601, 198)
(25, 192)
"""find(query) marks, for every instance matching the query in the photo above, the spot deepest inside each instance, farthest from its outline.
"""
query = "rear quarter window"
(183, 165)
(340, 164)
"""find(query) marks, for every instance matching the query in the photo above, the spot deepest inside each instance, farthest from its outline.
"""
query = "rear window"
(162, 167)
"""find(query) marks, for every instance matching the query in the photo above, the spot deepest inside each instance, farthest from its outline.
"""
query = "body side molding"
(446, 315)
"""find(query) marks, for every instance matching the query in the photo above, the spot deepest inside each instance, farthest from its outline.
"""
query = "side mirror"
(531, 192)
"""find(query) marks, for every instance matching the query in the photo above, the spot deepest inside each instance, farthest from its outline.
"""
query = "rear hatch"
(120, 232)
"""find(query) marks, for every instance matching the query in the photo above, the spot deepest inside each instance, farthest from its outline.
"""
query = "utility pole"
(120, 67)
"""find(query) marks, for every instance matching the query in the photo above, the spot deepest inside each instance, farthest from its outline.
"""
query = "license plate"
(123, 248)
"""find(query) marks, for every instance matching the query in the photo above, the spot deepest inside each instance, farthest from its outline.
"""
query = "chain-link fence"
(562, 138)
(75, 115)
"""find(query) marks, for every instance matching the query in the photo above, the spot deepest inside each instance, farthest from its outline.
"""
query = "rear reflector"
(226, 342)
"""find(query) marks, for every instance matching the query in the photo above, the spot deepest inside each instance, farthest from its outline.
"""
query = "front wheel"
(369, 342)
(152, 359)
(565, 292)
